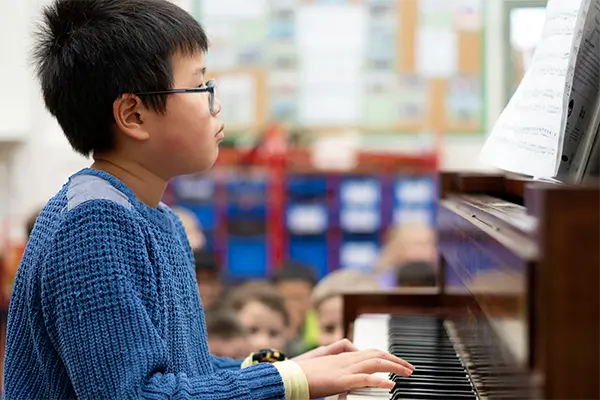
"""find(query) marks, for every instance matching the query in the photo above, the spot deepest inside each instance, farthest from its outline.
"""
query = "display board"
(369, 65)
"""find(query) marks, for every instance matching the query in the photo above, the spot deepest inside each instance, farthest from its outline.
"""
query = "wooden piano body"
(518, 281)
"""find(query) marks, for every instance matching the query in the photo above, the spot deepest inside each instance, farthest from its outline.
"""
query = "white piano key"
(371, 332)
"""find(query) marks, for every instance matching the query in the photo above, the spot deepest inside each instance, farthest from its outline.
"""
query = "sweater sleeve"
(226, 363)
(94, 282)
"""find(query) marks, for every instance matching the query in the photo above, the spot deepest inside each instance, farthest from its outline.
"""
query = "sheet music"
(526, 138)
(583, 109)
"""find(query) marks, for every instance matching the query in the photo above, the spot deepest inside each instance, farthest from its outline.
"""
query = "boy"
(105, 303)
(227, 337)
(327, 301)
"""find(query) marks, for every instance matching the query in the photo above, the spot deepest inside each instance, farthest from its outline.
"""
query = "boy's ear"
(129, 113)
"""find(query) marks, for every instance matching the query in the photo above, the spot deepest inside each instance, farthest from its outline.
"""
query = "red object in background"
(275, 157)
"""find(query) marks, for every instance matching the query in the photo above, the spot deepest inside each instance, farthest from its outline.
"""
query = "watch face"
(268, 355)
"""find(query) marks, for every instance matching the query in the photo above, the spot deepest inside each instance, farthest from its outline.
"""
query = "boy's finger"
(378, 354)
(375, 365)
(366, 380)
(341, 346)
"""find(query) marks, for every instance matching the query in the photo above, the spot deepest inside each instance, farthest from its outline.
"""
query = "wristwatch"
(264, 355)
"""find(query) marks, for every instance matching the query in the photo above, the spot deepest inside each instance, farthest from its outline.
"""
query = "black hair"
(416, 273)
(224, 324)
(295, 271)
(260, 291)
(88, 53)
(206, 261)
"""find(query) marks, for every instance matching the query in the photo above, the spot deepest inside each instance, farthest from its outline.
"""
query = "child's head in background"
(295, 281)
(261, 310)
(208, 277)
(327, 300)
(406, 245)
(227, 337)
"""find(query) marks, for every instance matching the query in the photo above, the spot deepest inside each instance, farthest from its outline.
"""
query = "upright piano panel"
(489, 260)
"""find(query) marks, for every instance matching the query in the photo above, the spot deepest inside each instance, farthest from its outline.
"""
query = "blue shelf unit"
(247, 211)
(414, 199)
(307, 221)
(197, 194)
(360, 203)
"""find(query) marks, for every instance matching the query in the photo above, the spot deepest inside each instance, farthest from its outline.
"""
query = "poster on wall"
(330, 63)
(413, 105)
(464, 101)
(380, 99)
(283, 95)
(238, 92)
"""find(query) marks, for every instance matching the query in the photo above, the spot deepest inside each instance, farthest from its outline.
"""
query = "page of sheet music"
(581, 102)
(526, 136)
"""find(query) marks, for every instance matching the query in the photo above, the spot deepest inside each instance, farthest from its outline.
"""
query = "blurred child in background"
(193, 229)
(409, 252)
(227, 337)
(295, 281)
(327, 300)
(208, 277)
(261, 310)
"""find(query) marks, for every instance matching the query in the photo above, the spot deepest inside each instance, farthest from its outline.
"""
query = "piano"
(515, 314)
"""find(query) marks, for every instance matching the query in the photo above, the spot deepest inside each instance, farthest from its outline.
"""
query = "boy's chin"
(197, 165)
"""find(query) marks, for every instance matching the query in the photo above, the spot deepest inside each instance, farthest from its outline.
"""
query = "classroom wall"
(35, 159)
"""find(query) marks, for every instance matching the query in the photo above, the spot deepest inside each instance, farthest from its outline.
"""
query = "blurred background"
(338, 113)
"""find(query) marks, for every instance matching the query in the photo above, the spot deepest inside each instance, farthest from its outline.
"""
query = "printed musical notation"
(526, 140)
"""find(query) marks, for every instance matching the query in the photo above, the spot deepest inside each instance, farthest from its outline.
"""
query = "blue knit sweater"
(105, 306)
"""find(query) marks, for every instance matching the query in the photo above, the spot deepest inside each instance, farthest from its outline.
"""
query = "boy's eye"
(274, 334)
(329, 328)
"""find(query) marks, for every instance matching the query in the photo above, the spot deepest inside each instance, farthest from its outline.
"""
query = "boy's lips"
(220, 134)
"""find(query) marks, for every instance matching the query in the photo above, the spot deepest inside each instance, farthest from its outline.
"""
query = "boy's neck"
(146, 185)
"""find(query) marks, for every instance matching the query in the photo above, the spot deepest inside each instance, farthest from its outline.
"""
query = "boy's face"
(330, 320)
(297, 300)
(236, 348)
(266, 327)
(185, 139)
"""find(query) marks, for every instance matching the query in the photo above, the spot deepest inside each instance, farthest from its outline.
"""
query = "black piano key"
(448, 386)
(439, 372)
(427, 379)
(405, 394)
(404, 349)
(420, 340)
(439, 363)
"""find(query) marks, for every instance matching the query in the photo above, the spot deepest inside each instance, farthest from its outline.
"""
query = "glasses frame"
(208, 87)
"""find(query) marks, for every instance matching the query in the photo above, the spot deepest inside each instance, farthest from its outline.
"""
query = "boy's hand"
(341, 346)
(343, 372)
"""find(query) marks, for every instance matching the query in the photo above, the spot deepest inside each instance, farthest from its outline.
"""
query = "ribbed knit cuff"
(294, 380)
(264, 381)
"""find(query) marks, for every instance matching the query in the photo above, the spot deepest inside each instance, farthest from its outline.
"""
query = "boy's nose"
(217, 107)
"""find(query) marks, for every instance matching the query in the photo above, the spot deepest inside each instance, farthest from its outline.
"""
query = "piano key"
(454, 386)
(398, 395)
(423, 341)
(426, 379)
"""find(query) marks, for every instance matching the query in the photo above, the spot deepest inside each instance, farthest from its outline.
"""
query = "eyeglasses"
(208, 87)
